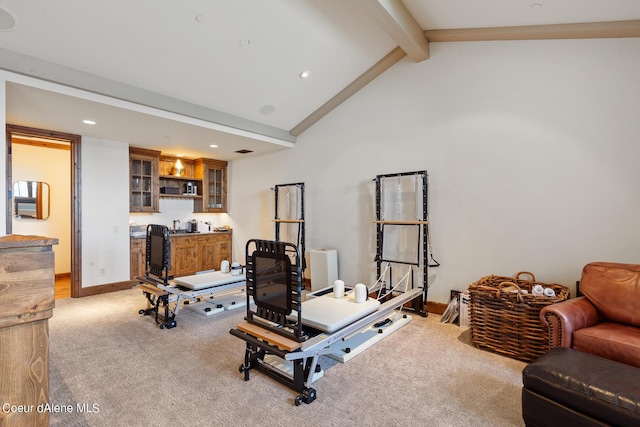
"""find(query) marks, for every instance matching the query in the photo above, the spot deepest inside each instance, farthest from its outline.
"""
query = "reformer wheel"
(308, 395)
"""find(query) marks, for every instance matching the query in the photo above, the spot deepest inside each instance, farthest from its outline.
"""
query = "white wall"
(105, 211)
(53, 166)
(531, 148)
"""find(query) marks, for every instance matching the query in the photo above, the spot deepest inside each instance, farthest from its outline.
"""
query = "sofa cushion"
(614, 289)
(613, 341)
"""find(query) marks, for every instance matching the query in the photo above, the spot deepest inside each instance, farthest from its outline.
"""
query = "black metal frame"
(157, 272)
(419, 304)
(300, 243)
(275, 319)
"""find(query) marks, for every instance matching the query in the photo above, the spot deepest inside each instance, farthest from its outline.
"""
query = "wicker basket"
(506, 320)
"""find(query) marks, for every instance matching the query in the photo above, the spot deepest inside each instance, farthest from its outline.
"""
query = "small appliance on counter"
(190, 189)
(137, 230)
(192, 226)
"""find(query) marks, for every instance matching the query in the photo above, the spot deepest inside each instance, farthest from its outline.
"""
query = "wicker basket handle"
(510, 284)
(533, 278)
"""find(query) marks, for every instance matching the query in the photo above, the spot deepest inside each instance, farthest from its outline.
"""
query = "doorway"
(46, 138)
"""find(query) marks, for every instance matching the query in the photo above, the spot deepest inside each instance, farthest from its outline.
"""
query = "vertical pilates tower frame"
(298, 218)
(421, 222)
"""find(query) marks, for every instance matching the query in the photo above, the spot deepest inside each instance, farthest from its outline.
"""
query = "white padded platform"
(329, 314)
(208, 280)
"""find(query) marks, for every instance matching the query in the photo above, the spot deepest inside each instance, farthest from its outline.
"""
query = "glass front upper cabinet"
(143, 186)
(214, 183)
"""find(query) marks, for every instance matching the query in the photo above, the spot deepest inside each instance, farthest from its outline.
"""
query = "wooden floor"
(63, 286)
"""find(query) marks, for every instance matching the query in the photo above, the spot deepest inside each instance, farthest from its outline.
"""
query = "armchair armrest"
(567, 316)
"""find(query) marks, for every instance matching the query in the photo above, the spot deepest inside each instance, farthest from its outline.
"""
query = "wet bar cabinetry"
(212, 250)
(26, 304)
(184, 255)
(137, 262)
(189, 253)
(153, 176)
(173, 182)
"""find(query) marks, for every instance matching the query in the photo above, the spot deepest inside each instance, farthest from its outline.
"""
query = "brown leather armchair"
(605, 321)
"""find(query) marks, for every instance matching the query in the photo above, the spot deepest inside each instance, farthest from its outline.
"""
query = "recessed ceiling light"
(179, 155)
(536, 6)
(199, 18)
(305, 74)
(213, 146)
(244, 42)
(89, 122)
(268, 109)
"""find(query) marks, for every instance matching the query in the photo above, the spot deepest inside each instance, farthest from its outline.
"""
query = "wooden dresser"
(26, 303)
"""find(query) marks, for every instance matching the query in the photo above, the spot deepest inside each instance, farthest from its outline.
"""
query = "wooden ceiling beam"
(364, 79)
(396, 20)
(591, 30)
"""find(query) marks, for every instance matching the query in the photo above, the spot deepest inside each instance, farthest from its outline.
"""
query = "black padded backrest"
(274, 281)
(158, 251)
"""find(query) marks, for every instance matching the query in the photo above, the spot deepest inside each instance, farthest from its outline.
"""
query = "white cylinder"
(548, 292)
(224, 266)
(338, 289)
(537, 291)
(361, 293)
(235, 269)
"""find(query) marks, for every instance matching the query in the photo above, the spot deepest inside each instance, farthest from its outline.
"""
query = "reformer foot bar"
(294, 363)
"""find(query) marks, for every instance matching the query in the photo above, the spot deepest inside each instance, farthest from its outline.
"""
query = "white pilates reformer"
(287, 344)
(206, 293)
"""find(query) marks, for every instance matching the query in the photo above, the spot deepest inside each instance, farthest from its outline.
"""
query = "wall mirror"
(31, 199)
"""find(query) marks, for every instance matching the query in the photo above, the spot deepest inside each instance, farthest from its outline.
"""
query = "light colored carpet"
(103, 353)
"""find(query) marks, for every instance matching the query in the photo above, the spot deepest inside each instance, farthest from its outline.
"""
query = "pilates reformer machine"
(285, 337)
(206, 293)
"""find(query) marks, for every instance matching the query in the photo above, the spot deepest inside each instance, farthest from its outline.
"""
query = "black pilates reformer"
(157, 263)
(284, 342)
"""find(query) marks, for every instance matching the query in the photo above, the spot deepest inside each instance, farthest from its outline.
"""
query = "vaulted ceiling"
(228, 72)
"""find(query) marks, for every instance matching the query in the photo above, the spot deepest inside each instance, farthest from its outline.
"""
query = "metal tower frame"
(423, 229)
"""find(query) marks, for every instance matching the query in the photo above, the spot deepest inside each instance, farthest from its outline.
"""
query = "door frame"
(76, 211)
